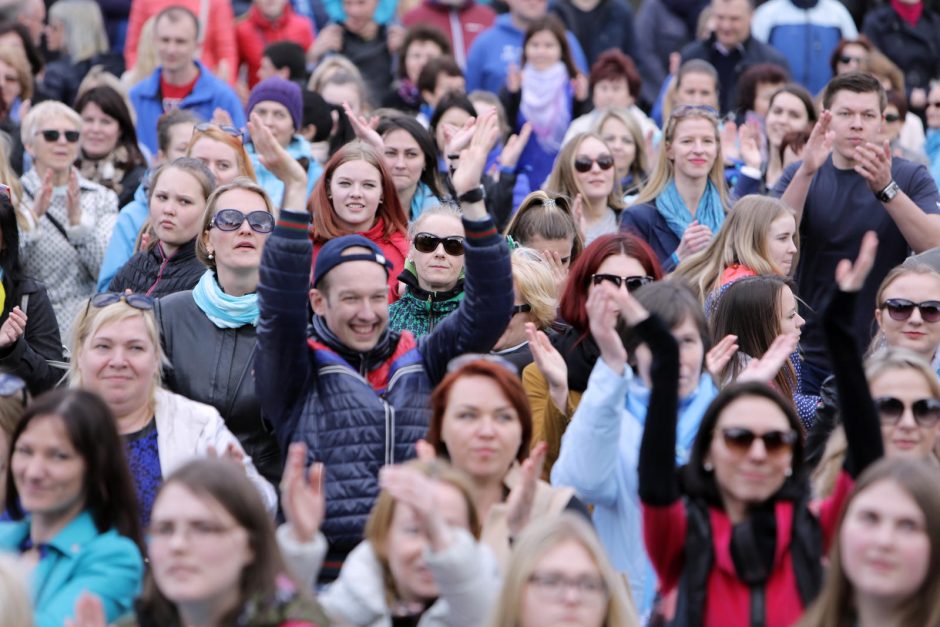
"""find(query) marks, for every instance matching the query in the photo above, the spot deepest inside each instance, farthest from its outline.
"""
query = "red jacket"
(394, 247)
(219, 40)
(473, 18)
(728, 598)
(254, 32)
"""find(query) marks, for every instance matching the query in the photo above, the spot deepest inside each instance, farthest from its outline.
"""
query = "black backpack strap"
(806, 551)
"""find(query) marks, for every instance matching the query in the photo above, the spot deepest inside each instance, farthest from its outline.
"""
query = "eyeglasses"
(847, 59)
(137, 301)
(926, 411)
(202, 127)
(428, 243)
(552, 586)
(52, 135)
(523, 308)
(633, 283)
(891, 118)
(901, 309)
(584, 164)
(740, 440)
(232, 219)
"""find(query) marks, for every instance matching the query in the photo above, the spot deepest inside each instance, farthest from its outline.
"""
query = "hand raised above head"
(850, 277)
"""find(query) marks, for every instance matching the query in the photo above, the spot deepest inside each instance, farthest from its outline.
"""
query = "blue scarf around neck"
(709, 212)
(225, 312)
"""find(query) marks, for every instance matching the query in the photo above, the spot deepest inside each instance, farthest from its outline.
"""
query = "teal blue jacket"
(79, 559)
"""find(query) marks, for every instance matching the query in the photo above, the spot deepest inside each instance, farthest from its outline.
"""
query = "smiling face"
(438, 270)
(785, 114)
(905, 437)
(542, 50)
(48, 472)
(100, 131)
(354, 302)
(404, 159)
(57, 155)
(884, 543)
(749, 477)
(914, 333)
(621, 143)
(176, 208)
(355, 192)
(780, 243)
(198, 551)
(239, 250)
(856, 119)
(407, 541)
(219, 157)
(596, 183)
(694, 148)
(550, 598)
(481, 428)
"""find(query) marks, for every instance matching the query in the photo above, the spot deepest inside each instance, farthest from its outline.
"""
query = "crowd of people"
(469, 313)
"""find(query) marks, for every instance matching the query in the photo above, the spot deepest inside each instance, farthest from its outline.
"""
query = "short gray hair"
(44, 113)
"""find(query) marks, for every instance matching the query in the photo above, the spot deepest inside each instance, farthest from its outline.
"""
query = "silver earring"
(788, 472)
(211, 256)
(708, 466)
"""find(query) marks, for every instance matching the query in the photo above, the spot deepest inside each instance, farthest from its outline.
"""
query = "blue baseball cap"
(333, 254)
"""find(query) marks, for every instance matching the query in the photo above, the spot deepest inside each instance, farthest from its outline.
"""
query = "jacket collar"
(185, 252)
(409, 279)
(150, 86)
(277, 24)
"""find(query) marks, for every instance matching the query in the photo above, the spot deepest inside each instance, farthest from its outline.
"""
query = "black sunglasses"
(428, 243)
(926, 411)
(633, 283)
(740, 440)
(901, 309)
(892, 117)
(232, 219)
(847, 59)
(137, 301)
(52, 135)
(202, 127)
(523, 308)
(687, 110)
(584, 164)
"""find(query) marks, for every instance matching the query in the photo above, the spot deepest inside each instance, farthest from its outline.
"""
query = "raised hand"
(425, 451)
(413, 489)
(364, 128)
(522, 496)
(44, 198)
(473, 158)
(456, 139)
(394, 37)
(551, 364)
(13, 327)
(749, 145)
(851, 277)
(873, 163)
(577, 212)
(695, 238)
(729, 140)
(559, 271)
(603, 311)
(720, 354)
(302, 494)
(273, 157)
(767, 367)
(581, 86)
(513, 79)
(89, 612)
(512, 149)
(819, 145)
(329, 39)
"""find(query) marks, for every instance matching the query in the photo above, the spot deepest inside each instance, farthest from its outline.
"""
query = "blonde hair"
(147, 60)
(742, 239)
(564, 181)
(42, 114)
(24, 75)
(94, 319)
(85, 36)
(536, 286)
(640, 166)
(540, 537)
(665, 170)
(14, 597)
(202, 252)
(380, 518)
(338, 70)
(547, 216)
(903, 270)
(447, 209)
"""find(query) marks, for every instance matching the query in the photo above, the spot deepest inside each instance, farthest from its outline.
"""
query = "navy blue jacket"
(309, 393)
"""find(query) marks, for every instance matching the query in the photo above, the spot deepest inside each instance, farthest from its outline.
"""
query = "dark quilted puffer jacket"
(152, 273)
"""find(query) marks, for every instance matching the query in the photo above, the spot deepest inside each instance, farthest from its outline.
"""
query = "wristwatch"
(476, 194)
(889, 192)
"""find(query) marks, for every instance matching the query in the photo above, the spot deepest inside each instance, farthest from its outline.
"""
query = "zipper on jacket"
(163, 265)
(389, 433)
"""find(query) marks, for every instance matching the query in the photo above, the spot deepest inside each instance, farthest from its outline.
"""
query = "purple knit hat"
(283, 91)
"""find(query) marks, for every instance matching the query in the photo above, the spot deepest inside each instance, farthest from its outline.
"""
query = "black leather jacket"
(214, 366)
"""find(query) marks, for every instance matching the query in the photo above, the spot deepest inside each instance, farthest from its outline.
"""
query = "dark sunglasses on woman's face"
(232, 219)
(740, 440)
(137, 301)
(633, 283)
(846, 59)
(926, 411)
(900, 309)
(428, 243)
(584, 164)
(891, 118)
(52, 135)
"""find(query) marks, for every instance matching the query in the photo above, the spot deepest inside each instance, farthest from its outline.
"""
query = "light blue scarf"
(709, 212)
(225, 312)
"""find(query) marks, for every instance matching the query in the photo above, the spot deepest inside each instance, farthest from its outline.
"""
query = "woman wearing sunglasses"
(73, 217)
(733, 531)
(585, 170)
(600, 447)
(554, 392)
(208, 333)
(178, 193)
(683, 204)
(116, 353)
(433, 274)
